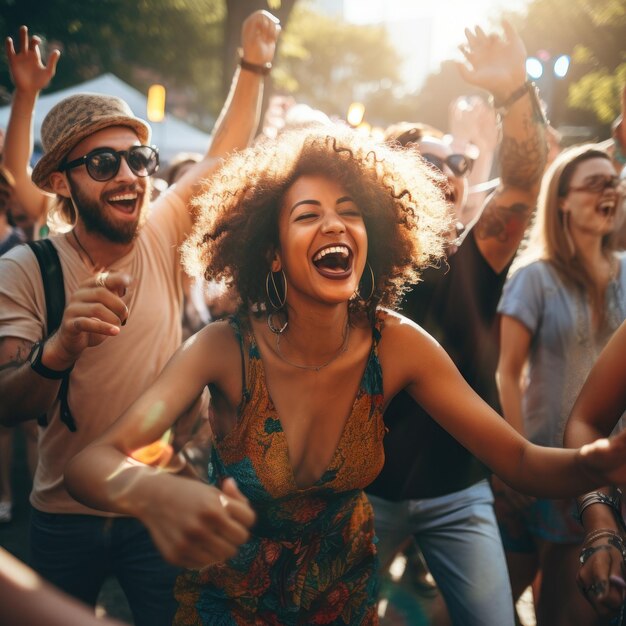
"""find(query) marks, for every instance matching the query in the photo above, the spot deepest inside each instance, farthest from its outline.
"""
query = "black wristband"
(38, 367)
(529, 88)
(255, 68)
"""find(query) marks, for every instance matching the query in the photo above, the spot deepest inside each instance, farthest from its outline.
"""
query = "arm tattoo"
(19, 355)
(502, 222)
(522, 160)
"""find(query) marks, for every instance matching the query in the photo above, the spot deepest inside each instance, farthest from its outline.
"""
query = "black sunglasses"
(458, 163)
(104, 163)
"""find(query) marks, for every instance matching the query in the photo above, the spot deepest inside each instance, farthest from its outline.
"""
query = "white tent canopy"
(171, 135)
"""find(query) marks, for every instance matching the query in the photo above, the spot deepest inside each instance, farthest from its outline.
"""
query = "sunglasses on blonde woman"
(597, 184)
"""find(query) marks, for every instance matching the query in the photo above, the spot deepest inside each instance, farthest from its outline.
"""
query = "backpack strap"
(54, 292)
(52, 276)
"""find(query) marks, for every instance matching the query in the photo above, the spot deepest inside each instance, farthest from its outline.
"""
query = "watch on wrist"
(34, 358)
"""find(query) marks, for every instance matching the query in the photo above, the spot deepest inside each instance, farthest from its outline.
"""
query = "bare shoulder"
(14, 351)
(397, 328)
(405, 352)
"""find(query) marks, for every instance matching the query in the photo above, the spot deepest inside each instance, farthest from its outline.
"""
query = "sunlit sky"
(439, 25)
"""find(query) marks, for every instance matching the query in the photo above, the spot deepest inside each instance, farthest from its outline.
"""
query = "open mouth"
(606, 208)
(334, 261)
(124, 202)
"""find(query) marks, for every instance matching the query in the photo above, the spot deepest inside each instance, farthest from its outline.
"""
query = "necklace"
(317, 368)
(80, 245)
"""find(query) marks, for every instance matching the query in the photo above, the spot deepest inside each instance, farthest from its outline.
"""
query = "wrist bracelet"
(255, 68)
(585, 553)
(598, 497)
(599, 534)
(529, 88)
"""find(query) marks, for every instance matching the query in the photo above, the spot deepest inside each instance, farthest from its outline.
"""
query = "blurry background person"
(560, 306)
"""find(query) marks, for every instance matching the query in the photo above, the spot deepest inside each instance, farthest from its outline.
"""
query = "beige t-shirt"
(107, 378)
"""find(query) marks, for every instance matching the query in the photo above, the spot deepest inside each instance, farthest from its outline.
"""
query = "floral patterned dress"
(311, 558)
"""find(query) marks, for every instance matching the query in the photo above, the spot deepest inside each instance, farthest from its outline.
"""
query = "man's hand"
(259, 34)
(28, 72)
(497, 64)
(94, 312)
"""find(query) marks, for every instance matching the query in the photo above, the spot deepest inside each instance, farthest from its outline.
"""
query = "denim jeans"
(459, 538)
(78, 552)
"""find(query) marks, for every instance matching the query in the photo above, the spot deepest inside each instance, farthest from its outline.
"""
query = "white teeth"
(343, 250)
(126, 196)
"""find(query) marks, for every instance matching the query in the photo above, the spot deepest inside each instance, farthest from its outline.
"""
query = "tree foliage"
(179, 43)
(328, 63)
(594, 35)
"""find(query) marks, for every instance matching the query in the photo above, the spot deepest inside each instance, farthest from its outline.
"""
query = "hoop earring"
(277, 330)
(371, 287)
(273, 294)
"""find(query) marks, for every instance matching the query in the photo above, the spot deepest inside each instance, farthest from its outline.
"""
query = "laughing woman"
(319, 235)
(558, 311)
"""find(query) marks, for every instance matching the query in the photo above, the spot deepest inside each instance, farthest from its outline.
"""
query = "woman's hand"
(601, 576)
(193, 524)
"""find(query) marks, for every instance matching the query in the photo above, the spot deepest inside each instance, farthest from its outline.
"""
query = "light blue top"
(563, 346)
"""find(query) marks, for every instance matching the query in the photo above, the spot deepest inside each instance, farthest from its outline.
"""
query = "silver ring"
(101, 279)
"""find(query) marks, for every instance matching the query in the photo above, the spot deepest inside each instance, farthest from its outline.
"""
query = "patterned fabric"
(311, 559)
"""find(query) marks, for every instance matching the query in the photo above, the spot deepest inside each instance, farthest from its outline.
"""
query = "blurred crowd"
(526, 294)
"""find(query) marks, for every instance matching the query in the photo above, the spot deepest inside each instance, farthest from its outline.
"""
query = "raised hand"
(95, 312)
(495, 63)
(28, 72)
(259, 34)
(472, 120)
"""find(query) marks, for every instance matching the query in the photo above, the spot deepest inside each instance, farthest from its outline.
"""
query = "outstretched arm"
(497, 64)
(30, 76)
(239, 118)
(413, 361)
(192, 524)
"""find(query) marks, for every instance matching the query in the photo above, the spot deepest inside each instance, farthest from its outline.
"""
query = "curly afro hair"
(236, 227)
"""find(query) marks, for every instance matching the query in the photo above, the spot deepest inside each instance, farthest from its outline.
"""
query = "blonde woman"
(559, 307)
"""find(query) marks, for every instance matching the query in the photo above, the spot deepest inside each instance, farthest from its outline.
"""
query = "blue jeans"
(78, 552)
(459, 538)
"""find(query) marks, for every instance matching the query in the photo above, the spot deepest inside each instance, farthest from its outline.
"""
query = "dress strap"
(235, 324)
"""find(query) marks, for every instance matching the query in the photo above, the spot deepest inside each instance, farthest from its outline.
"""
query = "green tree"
(188, 45)
(593, 34)
(328, 63)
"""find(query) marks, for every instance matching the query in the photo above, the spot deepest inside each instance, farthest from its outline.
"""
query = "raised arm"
(30, 76)
(192, 524)
(497, 64)
(239, 118)
(474, 128)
